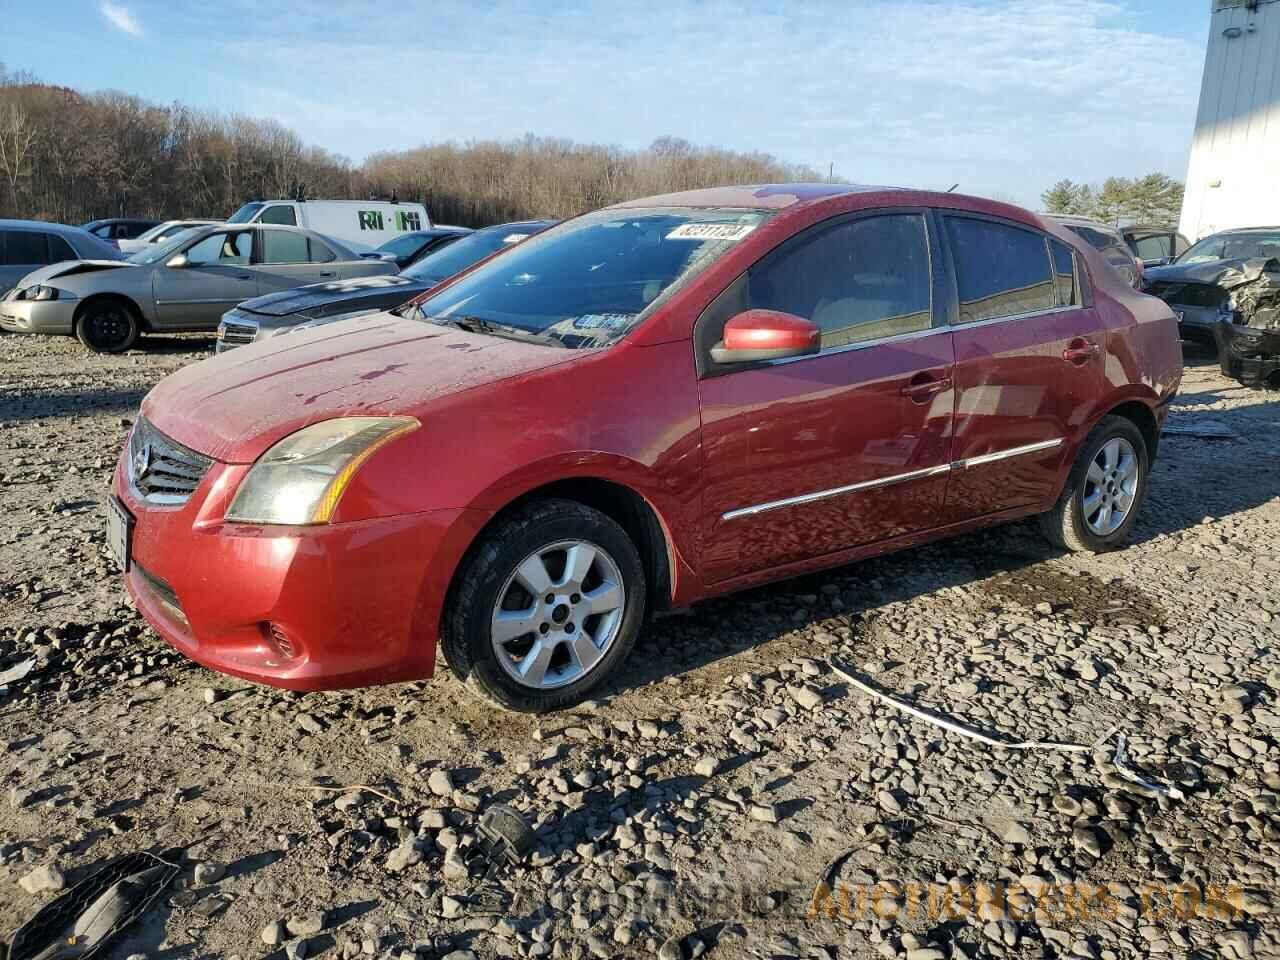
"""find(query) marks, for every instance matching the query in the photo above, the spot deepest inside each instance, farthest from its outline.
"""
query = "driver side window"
(222, 249)
(861, 279)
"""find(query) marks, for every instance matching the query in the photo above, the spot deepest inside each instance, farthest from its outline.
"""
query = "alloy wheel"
(558, 614)
(1111, 486)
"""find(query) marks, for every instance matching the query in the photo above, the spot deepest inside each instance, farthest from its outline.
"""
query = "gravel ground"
(694, 805)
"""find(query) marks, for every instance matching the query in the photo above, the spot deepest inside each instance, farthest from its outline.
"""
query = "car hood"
(312, 298)
(233, 406)
(1210, 271)
(72, 268)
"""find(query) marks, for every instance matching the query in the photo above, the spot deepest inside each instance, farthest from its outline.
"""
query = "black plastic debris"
(91, 914)
(505, 838)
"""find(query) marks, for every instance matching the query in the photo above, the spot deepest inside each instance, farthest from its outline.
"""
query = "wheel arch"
(619, 501)
(143, 322)
(1143, 417)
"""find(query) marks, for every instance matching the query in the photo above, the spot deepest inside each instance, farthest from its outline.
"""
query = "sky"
(1004, 97)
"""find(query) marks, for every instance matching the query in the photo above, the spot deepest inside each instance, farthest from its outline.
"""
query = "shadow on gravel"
(175, 343)
(69, 403)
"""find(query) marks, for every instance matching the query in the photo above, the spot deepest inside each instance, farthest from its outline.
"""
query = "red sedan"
(645, 406)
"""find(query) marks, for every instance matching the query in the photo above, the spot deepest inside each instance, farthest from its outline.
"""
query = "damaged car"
(1248, 336)
(182, 285)
(659, 402)
(1191, 284)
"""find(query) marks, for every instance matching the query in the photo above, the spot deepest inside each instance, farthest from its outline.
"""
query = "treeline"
(71, 157)
(1155, 198)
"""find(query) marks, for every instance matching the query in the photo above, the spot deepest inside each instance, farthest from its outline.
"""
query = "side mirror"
(177, 262)
(766, 335)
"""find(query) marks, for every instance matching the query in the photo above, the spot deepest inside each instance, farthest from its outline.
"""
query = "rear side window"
(859, 280)
(1066, 287)
(25, 248)
(282, 246)
(279, 214)
(1154, 248)
(59, 249)
(319, 252)
(1001, 270)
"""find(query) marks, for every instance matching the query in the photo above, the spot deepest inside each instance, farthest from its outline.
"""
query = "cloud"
(121, 18)
(1001, 95)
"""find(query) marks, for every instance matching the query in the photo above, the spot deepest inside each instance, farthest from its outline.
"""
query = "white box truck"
(364, 224)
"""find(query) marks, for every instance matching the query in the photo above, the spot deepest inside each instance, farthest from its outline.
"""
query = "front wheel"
(107, 326)
(1099, 506)
(546, 606)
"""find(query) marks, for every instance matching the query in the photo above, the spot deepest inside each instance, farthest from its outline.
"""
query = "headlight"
(301, 479)
(38, 292)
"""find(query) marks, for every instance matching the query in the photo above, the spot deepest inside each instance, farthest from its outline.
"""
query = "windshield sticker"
(711, 231)
(514, 237)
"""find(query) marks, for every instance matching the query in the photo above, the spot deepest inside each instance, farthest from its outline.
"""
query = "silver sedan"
(186, 284)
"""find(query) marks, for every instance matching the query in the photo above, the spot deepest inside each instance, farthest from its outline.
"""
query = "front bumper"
(306, 608)
(1248, 354)
(1196, 323)
(39, 316)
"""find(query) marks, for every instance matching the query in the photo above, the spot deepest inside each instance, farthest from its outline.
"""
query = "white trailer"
(1233, 178)
(364, 224)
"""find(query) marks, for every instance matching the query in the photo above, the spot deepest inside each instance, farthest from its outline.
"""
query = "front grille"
(161, 470)
(1187, 294)
(236, 333)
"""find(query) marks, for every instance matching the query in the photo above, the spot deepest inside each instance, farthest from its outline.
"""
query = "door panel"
(1024, 384)
(217, 277)
(288, 258)
(833, 427)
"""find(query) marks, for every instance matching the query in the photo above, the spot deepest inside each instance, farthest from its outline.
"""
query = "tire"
(1076, 522)
(108, 325)
(493, 587)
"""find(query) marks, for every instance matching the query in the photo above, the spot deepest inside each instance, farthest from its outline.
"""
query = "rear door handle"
(328, 273)
(923, 386)
(1080, 351)
(244, 276)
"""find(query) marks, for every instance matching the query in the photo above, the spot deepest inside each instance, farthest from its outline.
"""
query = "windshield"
(245, 213)
(587, 282)
(154, 233)
(1233, 246)
(157, 252)
(405, 245)
(461, 254)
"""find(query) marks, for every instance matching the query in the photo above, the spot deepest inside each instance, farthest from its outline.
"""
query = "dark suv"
(1108, 241)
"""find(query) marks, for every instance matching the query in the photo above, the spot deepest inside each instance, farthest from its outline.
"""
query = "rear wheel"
(107, 326)
(1099, 506)
(546, 606)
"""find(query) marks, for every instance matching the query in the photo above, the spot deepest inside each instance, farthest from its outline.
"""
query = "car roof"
(1217, 233)
(334, 242)
(765, 196)
(38, 225)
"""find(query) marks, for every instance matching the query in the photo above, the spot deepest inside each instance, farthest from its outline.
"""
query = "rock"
(307, 926)
(43, 879)
(440, 783)
(211, 696)
(671, 949)
(1018, 835)
(764, 812)
(1087, 839)
(707, 767)
(888, 802)
(806, 696)
(274, 933)
(209, 871)
(404, 856)
(296, 950)
(450, 907)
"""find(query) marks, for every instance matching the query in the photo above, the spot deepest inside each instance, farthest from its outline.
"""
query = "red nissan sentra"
(642, 407)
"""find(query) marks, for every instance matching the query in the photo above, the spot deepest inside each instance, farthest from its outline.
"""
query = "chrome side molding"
(896, 478)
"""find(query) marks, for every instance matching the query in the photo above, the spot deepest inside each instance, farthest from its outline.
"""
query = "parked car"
(161, 233)
(27, 245)
(641, 407)
(185, 284)
(1108, 241)
(1190, 284)
(278, 313)
(115, 229)
(1154, 246)
(1248, 334)
(365, 222)
(410, 247)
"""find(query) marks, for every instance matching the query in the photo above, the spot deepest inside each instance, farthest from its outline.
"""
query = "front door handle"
(1080, 351)
(328, 273)
(244, 276)
(923, 386)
